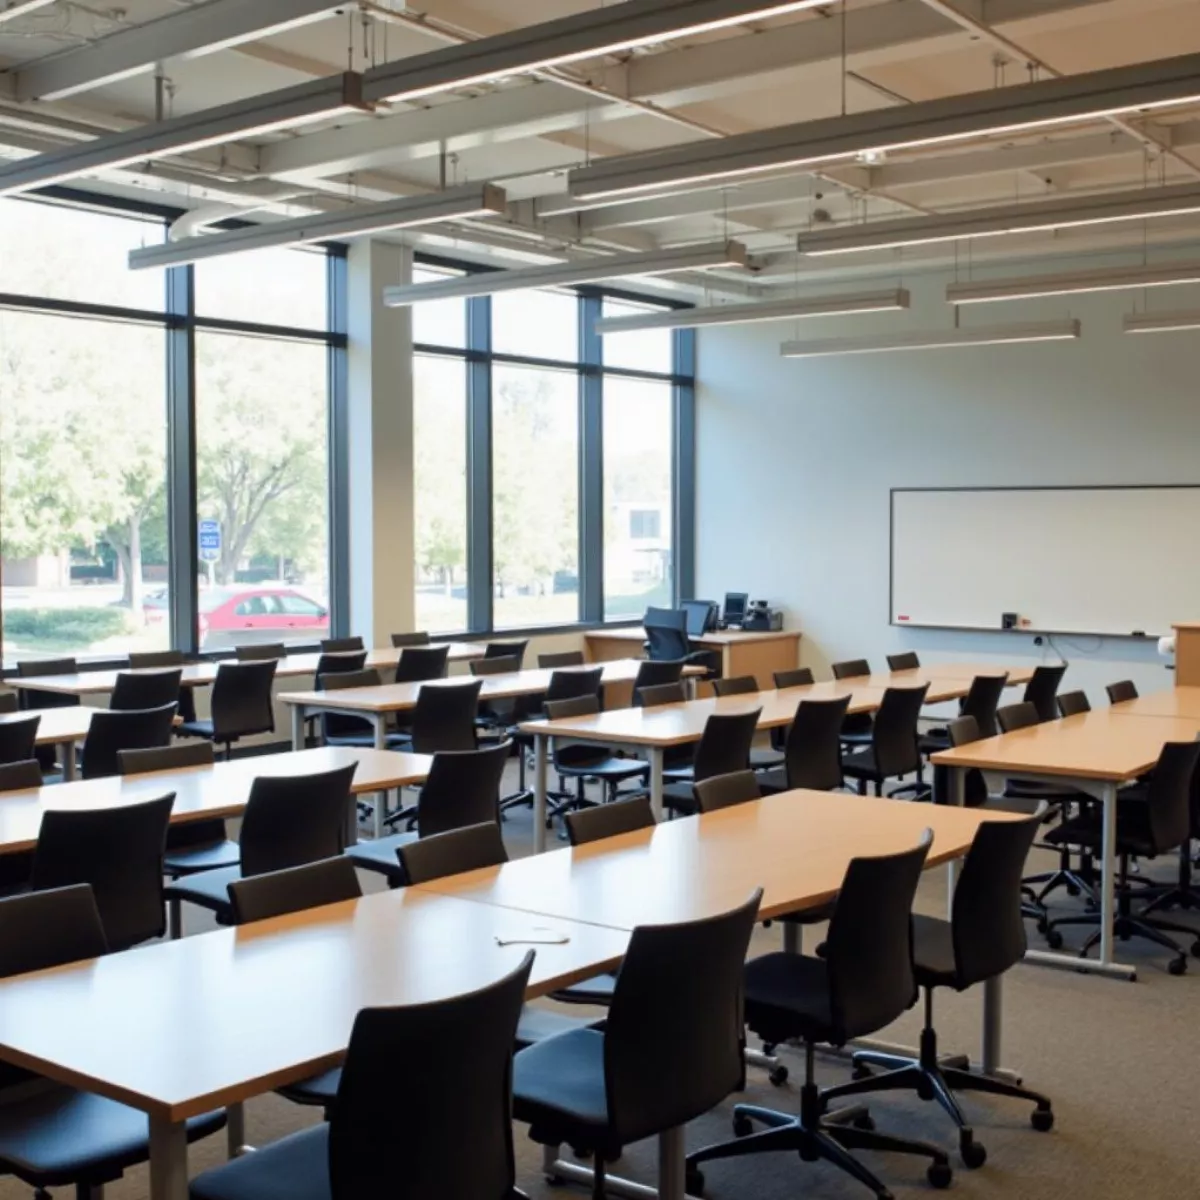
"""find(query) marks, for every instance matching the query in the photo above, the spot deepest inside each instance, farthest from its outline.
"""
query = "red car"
(230, 617)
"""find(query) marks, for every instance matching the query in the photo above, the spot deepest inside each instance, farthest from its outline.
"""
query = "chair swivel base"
(1127, 926)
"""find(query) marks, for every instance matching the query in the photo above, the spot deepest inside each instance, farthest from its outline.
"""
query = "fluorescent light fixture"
(283, 109)
(618, 266)
(937, 339)
(1113, 279)
(583, 35)
(1163, 322)
(1048, 102)
(11, 9)
(474, 200)
(1037, 215)
(746, 314)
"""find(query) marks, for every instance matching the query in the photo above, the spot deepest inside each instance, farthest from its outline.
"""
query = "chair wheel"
(694, 1181)
(1196, 949)
(1072, 890)
(742, 1126)
(1054, 939)
(778, 1075)
(865, 1122)
(1178, 966)
(973, 1154)
(860, 1072)
(1043, 925)
(925, 1089)
(1042, 1119)
(939, 1175)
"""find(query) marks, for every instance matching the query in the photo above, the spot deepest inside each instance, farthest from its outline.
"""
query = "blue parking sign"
(210, 541)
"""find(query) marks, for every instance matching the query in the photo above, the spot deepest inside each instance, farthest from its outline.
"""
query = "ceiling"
(526, 133)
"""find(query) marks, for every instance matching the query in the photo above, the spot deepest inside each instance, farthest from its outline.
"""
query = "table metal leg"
(235, 1129)
(672, 1170)
(168, 1159)
(379, 724)
(67, 754)
(958, 782)
(1108, 806)
(793, 937)
(297, 726)
(656, 781)
(541, 763)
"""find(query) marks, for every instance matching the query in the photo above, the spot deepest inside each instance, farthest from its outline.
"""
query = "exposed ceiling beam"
(201, 29)
(11, 9)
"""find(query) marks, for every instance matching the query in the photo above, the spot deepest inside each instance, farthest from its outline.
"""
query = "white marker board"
(1100, 560)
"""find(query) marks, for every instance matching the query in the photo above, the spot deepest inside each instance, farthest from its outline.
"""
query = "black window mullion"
(591, 463)
(479, 465)
(684, 465)
(339, 447)
(182, 513)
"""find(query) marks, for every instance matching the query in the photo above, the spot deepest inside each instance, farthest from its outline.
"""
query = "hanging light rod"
(11, 9)
(584, 35)
(940, 339)
(283, 109)
(1163, 322)
(1113, 279)
(618, 266)
(1046, 103)
(747, 314)
(1036, 216)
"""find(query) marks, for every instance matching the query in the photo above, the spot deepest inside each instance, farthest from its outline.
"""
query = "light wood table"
(757, 654)
(939, 672)
(62, 728)
(181, 1027)
(1096, 752)
(1175, 702)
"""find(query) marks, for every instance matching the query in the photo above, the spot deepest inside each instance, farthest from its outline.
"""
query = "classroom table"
(938, 672)
(1182, 701)
(1095, 752)
(63, 728)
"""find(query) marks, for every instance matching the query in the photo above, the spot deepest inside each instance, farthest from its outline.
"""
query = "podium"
(1187, 654)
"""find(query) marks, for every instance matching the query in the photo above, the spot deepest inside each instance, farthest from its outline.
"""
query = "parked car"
(237, 616)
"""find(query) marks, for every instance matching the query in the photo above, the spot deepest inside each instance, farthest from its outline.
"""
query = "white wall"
(795, 458)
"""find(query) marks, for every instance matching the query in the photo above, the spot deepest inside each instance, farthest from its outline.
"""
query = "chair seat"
(683, 773)
(293, 1168)
(762, 759)
(772, 782)
(319, 1090)
(558, 1090)
(933, 952)
(208, 889)
(680, 798)
(596, 763)
(598, 991)
(1134, 835)
(59, 1136)
(856, 737)
(366, 740)
(201, 728)
(787, 996)
(933, 741)
(382, 854)
(861, 764)
(188, 860)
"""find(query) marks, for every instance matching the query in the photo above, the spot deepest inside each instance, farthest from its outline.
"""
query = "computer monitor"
(701, 616)
(735, 607)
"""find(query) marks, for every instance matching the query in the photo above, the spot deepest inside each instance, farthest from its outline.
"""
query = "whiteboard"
(1116, 561)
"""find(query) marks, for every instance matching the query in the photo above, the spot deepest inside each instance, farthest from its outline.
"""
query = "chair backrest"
(567, 684)
(961, 732)
(1042, 688)
(150, 690)
(410, 1142)
(18, 738)
(608, 820)
(9, 702)
(1122, 690)
(462, 789)
(666, 633)
(444, 717)
(724, 791)
(165, 758)
(851, 668)
(507, 650)
(418, 664)
(335, 724)
(895, 736)
(738, 685)
(495, 666)
(142, 659)
(812, 753)
(279, 892)
(796, 677)
(241, 699)
(724, 745)
(982, 700)
(453, 852)
(572, 706)
(21, 776)
(49, 929)
(110, 732)
(36, 698)
(908, 661)
(291, 820)
(868, 947)
(654, 673)
(663, 693)
(338, 662)
(1017, 716)
(1169, 796)
(341, 645)
(679, 991)
(1071, 704)
(567, 658)
(119, 851)
(987, 929)
(260, 651)
(419, 638)
(339, 680)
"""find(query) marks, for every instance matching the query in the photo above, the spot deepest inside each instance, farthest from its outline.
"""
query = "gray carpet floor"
(1116, 1058)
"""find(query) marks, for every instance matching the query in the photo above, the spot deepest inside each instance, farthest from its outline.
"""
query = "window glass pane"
(645, 350)
(440, 492)
(269, 287)
(438, 322)
(75, 254)
(637, 495)
(83, 524)
(536, 324)
(535, 496)
(263, 476)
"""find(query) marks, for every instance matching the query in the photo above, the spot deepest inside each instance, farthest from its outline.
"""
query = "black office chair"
(338, 662)
(494, 665)
(345, 729)
(1122, 690)
(341, 645)
(813, 750)
(727, 791)
(1148, 824)
(761, 759)
(15, 868)
(29, 698)
(152, 689)
(55, 1136)
(242, 704)
(153, 660)
(1042, 689)
(609, 820)
(420, 663)
(737, 685)
(507, 650)
(857, 729)
(796, 677)
(654, 673)
(350, 660)
(983, 939)
(443, 718)
(289, 820)
(260, 652)
(670, 1050)
(110, 732)
(1071, 704)
(119, 852)
(908, 661)
(420, 638)
(667, 641)
(20, 776)
(724, 748)
(429, 1138)
(462, 788)
(981, 702)
(863, 982)
(9, 703)
(567, 658)
(658, 694)
(18, 738)
(892, 750)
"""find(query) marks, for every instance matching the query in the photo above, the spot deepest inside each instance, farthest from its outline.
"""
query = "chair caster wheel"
(1196, 949)
(925, 1089)
(769, 1049)
(1043, 926)
(939, 1175)
(866, 1122)
(778, 1075)
(1054, 939)
(1042, 1119)
(694, 1181)
(860, 1072)
(973, 1154)
(1178, 966)
(742, 1126)
(1072, 890)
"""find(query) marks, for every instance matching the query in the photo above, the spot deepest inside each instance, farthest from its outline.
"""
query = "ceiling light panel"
(1113, 279)
(1163, 322)
(943, 339)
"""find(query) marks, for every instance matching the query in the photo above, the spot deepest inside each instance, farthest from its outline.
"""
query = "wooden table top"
(57, 725)
(397, 697)
(944, 671)
(1099, 745)
(795, 845)
(718, 637)
(200, 792)
(209, 1020)
(202, 674)
(1172, 702)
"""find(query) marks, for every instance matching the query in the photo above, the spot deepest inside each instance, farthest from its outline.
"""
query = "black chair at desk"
(667, 639)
